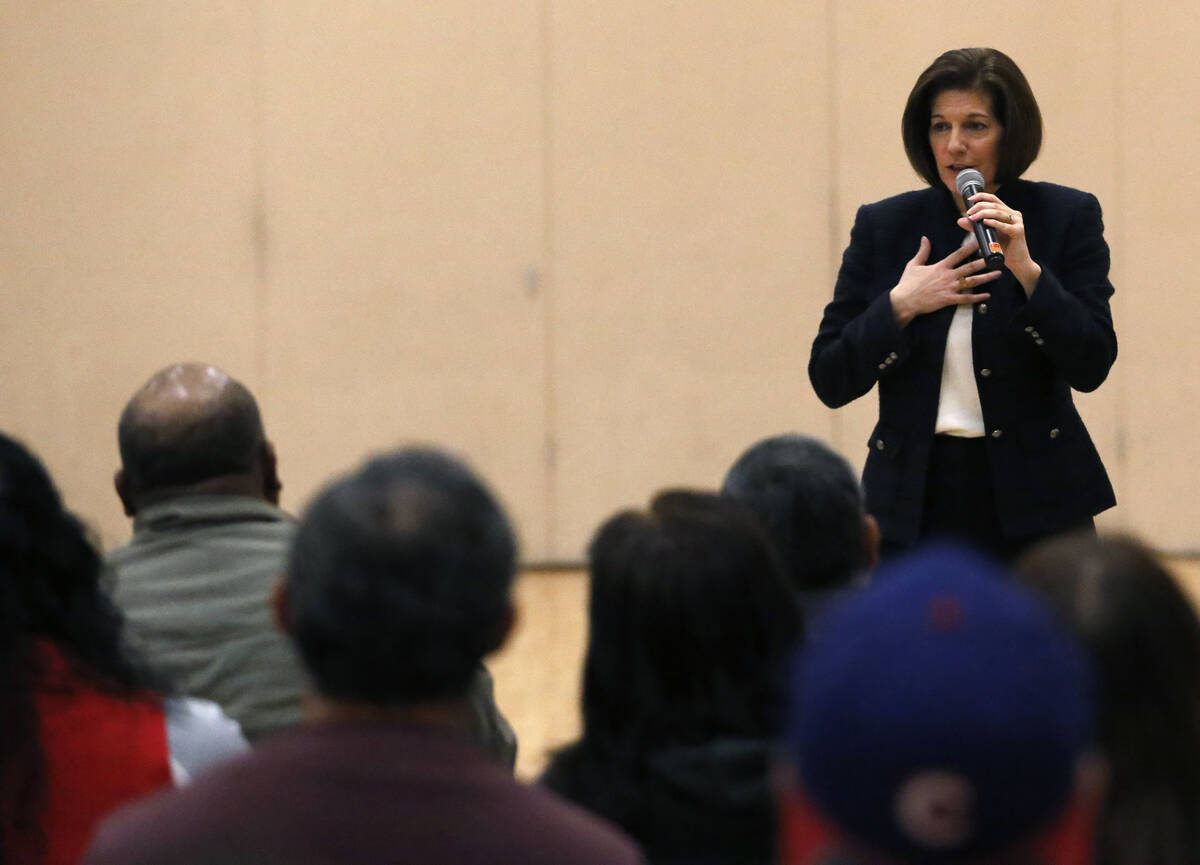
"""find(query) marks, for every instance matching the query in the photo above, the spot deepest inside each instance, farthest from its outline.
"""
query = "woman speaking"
(978, 437)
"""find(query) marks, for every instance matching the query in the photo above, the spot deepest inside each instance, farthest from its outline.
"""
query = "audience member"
(199, 478)
(398, 584)
(82, 729)
(811, 505)
(1144, 638)
(690, 619)
(940, 716)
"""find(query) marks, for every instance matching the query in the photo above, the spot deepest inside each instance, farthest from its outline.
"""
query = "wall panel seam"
(549, 357)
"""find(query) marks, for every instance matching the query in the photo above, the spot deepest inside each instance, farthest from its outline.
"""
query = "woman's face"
(963, 133)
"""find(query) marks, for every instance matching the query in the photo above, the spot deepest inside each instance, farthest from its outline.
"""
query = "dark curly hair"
(49, 592)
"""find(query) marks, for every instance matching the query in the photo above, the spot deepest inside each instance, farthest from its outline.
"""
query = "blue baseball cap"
(939, 714)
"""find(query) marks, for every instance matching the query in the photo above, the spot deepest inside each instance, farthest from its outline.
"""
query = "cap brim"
(807, 837)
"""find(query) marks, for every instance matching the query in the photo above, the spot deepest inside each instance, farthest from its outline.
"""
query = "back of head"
(188, 424)
(399, 579)
(49, 569)
(690, 617)
(938, 716)
(1144, 637)
(809, 501)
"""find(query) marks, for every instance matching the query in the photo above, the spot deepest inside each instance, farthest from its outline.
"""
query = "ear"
(270, 472)
(121, 484)
(281, 610)
(871, 539)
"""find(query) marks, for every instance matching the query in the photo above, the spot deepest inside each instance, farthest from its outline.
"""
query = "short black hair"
(399, 580)
(224, 438)
(987, 71)
(810, 504)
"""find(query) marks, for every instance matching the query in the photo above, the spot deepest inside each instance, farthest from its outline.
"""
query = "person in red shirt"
(83, 724)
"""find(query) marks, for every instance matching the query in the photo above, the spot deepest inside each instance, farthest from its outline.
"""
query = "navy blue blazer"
(1028, 355)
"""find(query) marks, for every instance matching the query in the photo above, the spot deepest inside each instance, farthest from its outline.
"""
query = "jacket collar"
(189, 511)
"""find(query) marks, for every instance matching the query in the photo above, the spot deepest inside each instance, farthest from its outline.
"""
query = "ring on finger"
(1011, 217)
(962, 283)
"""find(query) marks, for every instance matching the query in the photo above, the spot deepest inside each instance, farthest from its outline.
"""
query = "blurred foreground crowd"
(238, 686)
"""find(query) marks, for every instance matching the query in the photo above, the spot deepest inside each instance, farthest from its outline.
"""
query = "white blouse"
(959, 411)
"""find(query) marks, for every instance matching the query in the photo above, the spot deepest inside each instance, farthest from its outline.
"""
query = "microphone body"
(969, 181)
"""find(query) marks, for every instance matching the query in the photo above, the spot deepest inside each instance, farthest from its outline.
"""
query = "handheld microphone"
(969, 182)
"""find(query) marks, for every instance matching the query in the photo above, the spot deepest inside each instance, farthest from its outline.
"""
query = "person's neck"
(448, 714)
(246, 485)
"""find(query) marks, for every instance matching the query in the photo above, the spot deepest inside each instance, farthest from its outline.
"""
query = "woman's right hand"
(926, 288)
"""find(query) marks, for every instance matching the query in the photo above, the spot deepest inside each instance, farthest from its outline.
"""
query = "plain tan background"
(585, 244)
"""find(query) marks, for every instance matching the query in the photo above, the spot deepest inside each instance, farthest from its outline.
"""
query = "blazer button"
(883, 366)
(1054, 433)
(1029, 328)
(982, 309)
(893, 356)
(1039, 341)
(878, 444)
(997, 433)
(985, 372)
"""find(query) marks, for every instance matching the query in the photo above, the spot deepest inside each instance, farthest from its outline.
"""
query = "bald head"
(192, 428)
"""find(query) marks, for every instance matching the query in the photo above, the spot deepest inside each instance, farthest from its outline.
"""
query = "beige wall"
(584, 243)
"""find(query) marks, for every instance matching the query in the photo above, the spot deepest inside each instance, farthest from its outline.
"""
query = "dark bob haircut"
(988, 71)
(399, 580)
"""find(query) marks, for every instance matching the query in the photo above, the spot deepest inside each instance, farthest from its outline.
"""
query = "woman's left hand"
(1010, 232)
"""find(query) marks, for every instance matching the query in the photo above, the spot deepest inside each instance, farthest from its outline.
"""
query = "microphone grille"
(968, 176)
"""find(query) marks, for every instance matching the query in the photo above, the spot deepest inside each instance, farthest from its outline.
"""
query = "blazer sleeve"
(1068, 315)
(859, 340)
